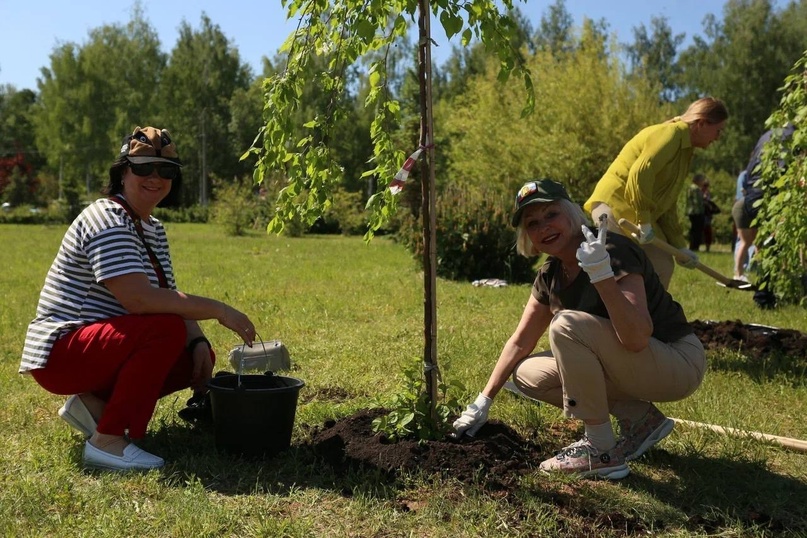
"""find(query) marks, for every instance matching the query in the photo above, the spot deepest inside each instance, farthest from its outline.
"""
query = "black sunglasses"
(165, 171)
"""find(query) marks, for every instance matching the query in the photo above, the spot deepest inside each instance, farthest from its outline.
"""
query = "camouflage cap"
(149, 145)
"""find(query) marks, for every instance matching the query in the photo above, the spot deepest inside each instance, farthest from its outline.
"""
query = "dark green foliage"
(204, 78)
(70, 205)
(555, 32)
(409, 415)
(19, 160)
(346, 215)
(194, 213)
(653, 56)
(743, 59)
(17, 184)
(474, 237)
(782, 218)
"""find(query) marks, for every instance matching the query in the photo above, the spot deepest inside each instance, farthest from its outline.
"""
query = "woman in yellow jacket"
(643, 183)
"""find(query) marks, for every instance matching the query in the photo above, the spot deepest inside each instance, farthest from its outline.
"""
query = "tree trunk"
(427, 213)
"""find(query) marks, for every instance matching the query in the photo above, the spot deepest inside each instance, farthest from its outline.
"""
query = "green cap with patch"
(539, 191)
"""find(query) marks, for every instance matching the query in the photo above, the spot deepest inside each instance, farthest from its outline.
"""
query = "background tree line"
(592, 94)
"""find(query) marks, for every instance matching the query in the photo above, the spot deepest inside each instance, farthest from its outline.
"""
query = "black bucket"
(253, 415)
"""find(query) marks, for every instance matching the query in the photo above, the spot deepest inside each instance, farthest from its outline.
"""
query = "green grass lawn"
(351, 315)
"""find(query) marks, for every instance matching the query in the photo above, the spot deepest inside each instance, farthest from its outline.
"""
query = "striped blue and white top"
(101, 243)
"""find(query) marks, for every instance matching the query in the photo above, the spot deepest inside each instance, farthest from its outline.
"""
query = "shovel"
(669, 249)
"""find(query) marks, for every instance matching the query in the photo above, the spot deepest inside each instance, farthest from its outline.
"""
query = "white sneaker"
(133, 458)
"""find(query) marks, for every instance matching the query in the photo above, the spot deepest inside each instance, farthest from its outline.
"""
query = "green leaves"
(782, 219)
(410, 417)
(452, 23)
(334, 36)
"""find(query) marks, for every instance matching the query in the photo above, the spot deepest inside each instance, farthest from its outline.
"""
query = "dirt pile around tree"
(498, 455)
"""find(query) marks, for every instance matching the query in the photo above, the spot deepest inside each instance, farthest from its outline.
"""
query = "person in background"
(710, 209)
(111, 328)
(735, 238)
(696, 211)
(738, 195)
(745, 210)
(618, 341)
(643, 183)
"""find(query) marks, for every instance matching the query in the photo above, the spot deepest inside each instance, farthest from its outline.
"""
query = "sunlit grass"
(351, 315)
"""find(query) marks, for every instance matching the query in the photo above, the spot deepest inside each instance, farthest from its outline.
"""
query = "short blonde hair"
(575, 213)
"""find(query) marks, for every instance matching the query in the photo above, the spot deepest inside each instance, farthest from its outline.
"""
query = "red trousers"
(129, 362)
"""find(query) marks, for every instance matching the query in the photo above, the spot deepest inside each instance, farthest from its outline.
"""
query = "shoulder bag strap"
(155, 262)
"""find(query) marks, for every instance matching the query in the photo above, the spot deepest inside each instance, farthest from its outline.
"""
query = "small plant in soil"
(410, 414)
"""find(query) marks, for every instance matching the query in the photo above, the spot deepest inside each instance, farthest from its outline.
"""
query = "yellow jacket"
(644, 181)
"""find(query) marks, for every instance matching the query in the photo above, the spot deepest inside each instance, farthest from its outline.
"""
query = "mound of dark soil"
(351, 443)
(494, 457)
(498, 455)
(756, 341)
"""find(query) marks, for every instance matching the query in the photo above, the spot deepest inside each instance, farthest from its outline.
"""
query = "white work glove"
(645, 235)
(690, 261)
(593, 257)
(474, 417)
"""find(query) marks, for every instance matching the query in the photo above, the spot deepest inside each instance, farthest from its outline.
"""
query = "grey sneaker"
(583, 458)
(638, 437)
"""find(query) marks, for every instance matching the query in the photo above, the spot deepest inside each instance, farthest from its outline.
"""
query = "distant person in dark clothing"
(696, 211)
(710, 209)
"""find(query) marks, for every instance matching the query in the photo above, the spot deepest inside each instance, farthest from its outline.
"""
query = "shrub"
(474, 237)
(346, 214)
(195, 213)
(236, 205)
(53, 214)
(782, 217)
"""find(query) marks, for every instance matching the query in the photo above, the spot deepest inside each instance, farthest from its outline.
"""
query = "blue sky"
(30, 29)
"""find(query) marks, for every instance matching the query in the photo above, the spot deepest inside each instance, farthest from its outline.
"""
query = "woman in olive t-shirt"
(618, 341)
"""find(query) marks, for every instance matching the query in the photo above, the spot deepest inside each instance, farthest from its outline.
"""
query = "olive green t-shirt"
(669, 321)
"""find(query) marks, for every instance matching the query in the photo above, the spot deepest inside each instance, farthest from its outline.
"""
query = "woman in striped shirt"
(111, 329)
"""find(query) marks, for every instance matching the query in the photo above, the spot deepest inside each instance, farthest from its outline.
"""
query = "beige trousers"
(663, 263)
(589, 374)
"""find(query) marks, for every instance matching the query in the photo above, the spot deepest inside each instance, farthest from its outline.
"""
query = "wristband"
(196, 341)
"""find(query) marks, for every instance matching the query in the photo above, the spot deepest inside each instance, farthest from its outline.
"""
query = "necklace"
(564, 274)
(569, 274)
